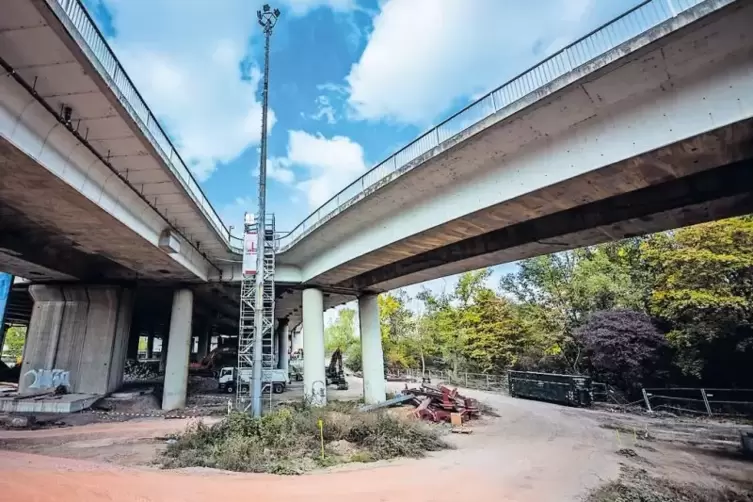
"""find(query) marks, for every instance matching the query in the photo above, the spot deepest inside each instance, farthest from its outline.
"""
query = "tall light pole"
(267, 19)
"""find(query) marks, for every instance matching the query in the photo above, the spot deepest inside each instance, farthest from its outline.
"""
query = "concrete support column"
(77, 337)
(163, 351)
(150, 344)
(42, 334)
(133, 344)
(176, 369)
(283, 337)
(296, 340)
(314, 379)
(205, 333)
(372, 356)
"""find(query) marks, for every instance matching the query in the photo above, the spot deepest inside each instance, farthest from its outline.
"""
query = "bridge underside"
(704, 178)
(51, 232)
(655, 135)
(711, 195)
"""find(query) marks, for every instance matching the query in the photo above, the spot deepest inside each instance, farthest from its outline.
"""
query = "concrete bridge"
(643, 125)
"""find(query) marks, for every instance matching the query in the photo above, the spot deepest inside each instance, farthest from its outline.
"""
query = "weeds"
(287, 441)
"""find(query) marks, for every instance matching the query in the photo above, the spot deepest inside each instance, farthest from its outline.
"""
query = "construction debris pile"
(136, 371)
(438, 404)
(435, 404)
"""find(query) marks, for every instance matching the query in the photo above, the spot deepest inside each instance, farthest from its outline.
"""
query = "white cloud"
(326, 110)
(424, 54)
(301, 7)
(278, 168)
(232, 214)
(185, 57)
(329, 164)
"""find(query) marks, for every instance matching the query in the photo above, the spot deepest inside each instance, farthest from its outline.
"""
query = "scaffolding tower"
(246, 329)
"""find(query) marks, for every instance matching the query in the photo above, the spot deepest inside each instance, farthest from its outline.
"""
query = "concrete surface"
(314, 378)
(283, 337)
(81, 331)
(372, 354)
(654, 112)
(67, 403)
(178, 352)
(113, 154)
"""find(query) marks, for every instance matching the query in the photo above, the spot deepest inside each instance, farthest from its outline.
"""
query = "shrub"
(287, 441)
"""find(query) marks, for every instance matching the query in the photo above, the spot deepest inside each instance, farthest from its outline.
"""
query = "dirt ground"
(532, 452)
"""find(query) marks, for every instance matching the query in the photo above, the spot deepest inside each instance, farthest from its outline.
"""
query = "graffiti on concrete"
(49, 379)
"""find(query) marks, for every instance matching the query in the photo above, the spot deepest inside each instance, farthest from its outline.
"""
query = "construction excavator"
(218, 358)
(335, 373)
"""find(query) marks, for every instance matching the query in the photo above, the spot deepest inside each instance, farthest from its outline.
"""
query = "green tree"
(559, 292)
(397, 325)
(473, 328)
(497, 337)
(442, 323)
(341, 333)
(15, 338)
(703, 291)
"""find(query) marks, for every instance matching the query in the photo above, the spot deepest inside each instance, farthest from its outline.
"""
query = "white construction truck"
(278, 379)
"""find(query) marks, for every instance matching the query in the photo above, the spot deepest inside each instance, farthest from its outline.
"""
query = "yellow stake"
(321, 435)
(619, 441)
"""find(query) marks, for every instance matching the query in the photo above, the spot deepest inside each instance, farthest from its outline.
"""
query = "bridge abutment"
(77, 337)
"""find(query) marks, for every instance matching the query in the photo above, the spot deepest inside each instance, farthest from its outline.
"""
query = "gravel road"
(532, 452)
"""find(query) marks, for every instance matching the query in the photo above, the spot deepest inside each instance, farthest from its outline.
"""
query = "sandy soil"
(532, 452)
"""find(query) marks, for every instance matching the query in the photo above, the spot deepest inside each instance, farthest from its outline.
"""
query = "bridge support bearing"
(372, 355)
(176, 367)
(78, 337)
(314, 379)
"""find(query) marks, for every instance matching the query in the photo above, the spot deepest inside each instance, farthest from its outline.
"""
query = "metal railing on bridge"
(80, 25)
(627, 26)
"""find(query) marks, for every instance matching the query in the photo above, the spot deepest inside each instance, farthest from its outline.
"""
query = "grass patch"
(636, 485)
(287, 441)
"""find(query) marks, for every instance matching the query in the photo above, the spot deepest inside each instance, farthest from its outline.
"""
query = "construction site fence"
(700, 401)
(719, 402)
(495, 382)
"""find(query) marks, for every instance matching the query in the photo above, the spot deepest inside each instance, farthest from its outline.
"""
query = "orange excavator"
(218, 358)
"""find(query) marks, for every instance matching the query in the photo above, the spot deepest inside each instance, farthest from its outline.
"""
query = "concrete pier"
(283, 339)
(78, 337)
(176, 369)
(372, 355)
(314, 378)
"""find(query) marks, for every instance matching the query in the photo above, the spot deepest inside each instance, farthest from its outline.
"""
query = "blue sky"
(351, 81)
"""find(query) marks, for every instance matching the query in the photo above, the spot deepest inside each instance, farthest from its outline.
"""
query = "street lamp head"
(267, 18)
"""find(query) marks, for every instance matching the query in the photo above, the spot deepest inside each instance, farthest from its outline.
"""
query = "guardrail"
(82, 28)
(480, 381)
(632, 23)
(702, 401)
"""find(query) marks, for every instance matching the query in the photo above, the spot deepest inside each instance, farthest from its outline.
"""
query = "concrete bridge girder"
(665, 106)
